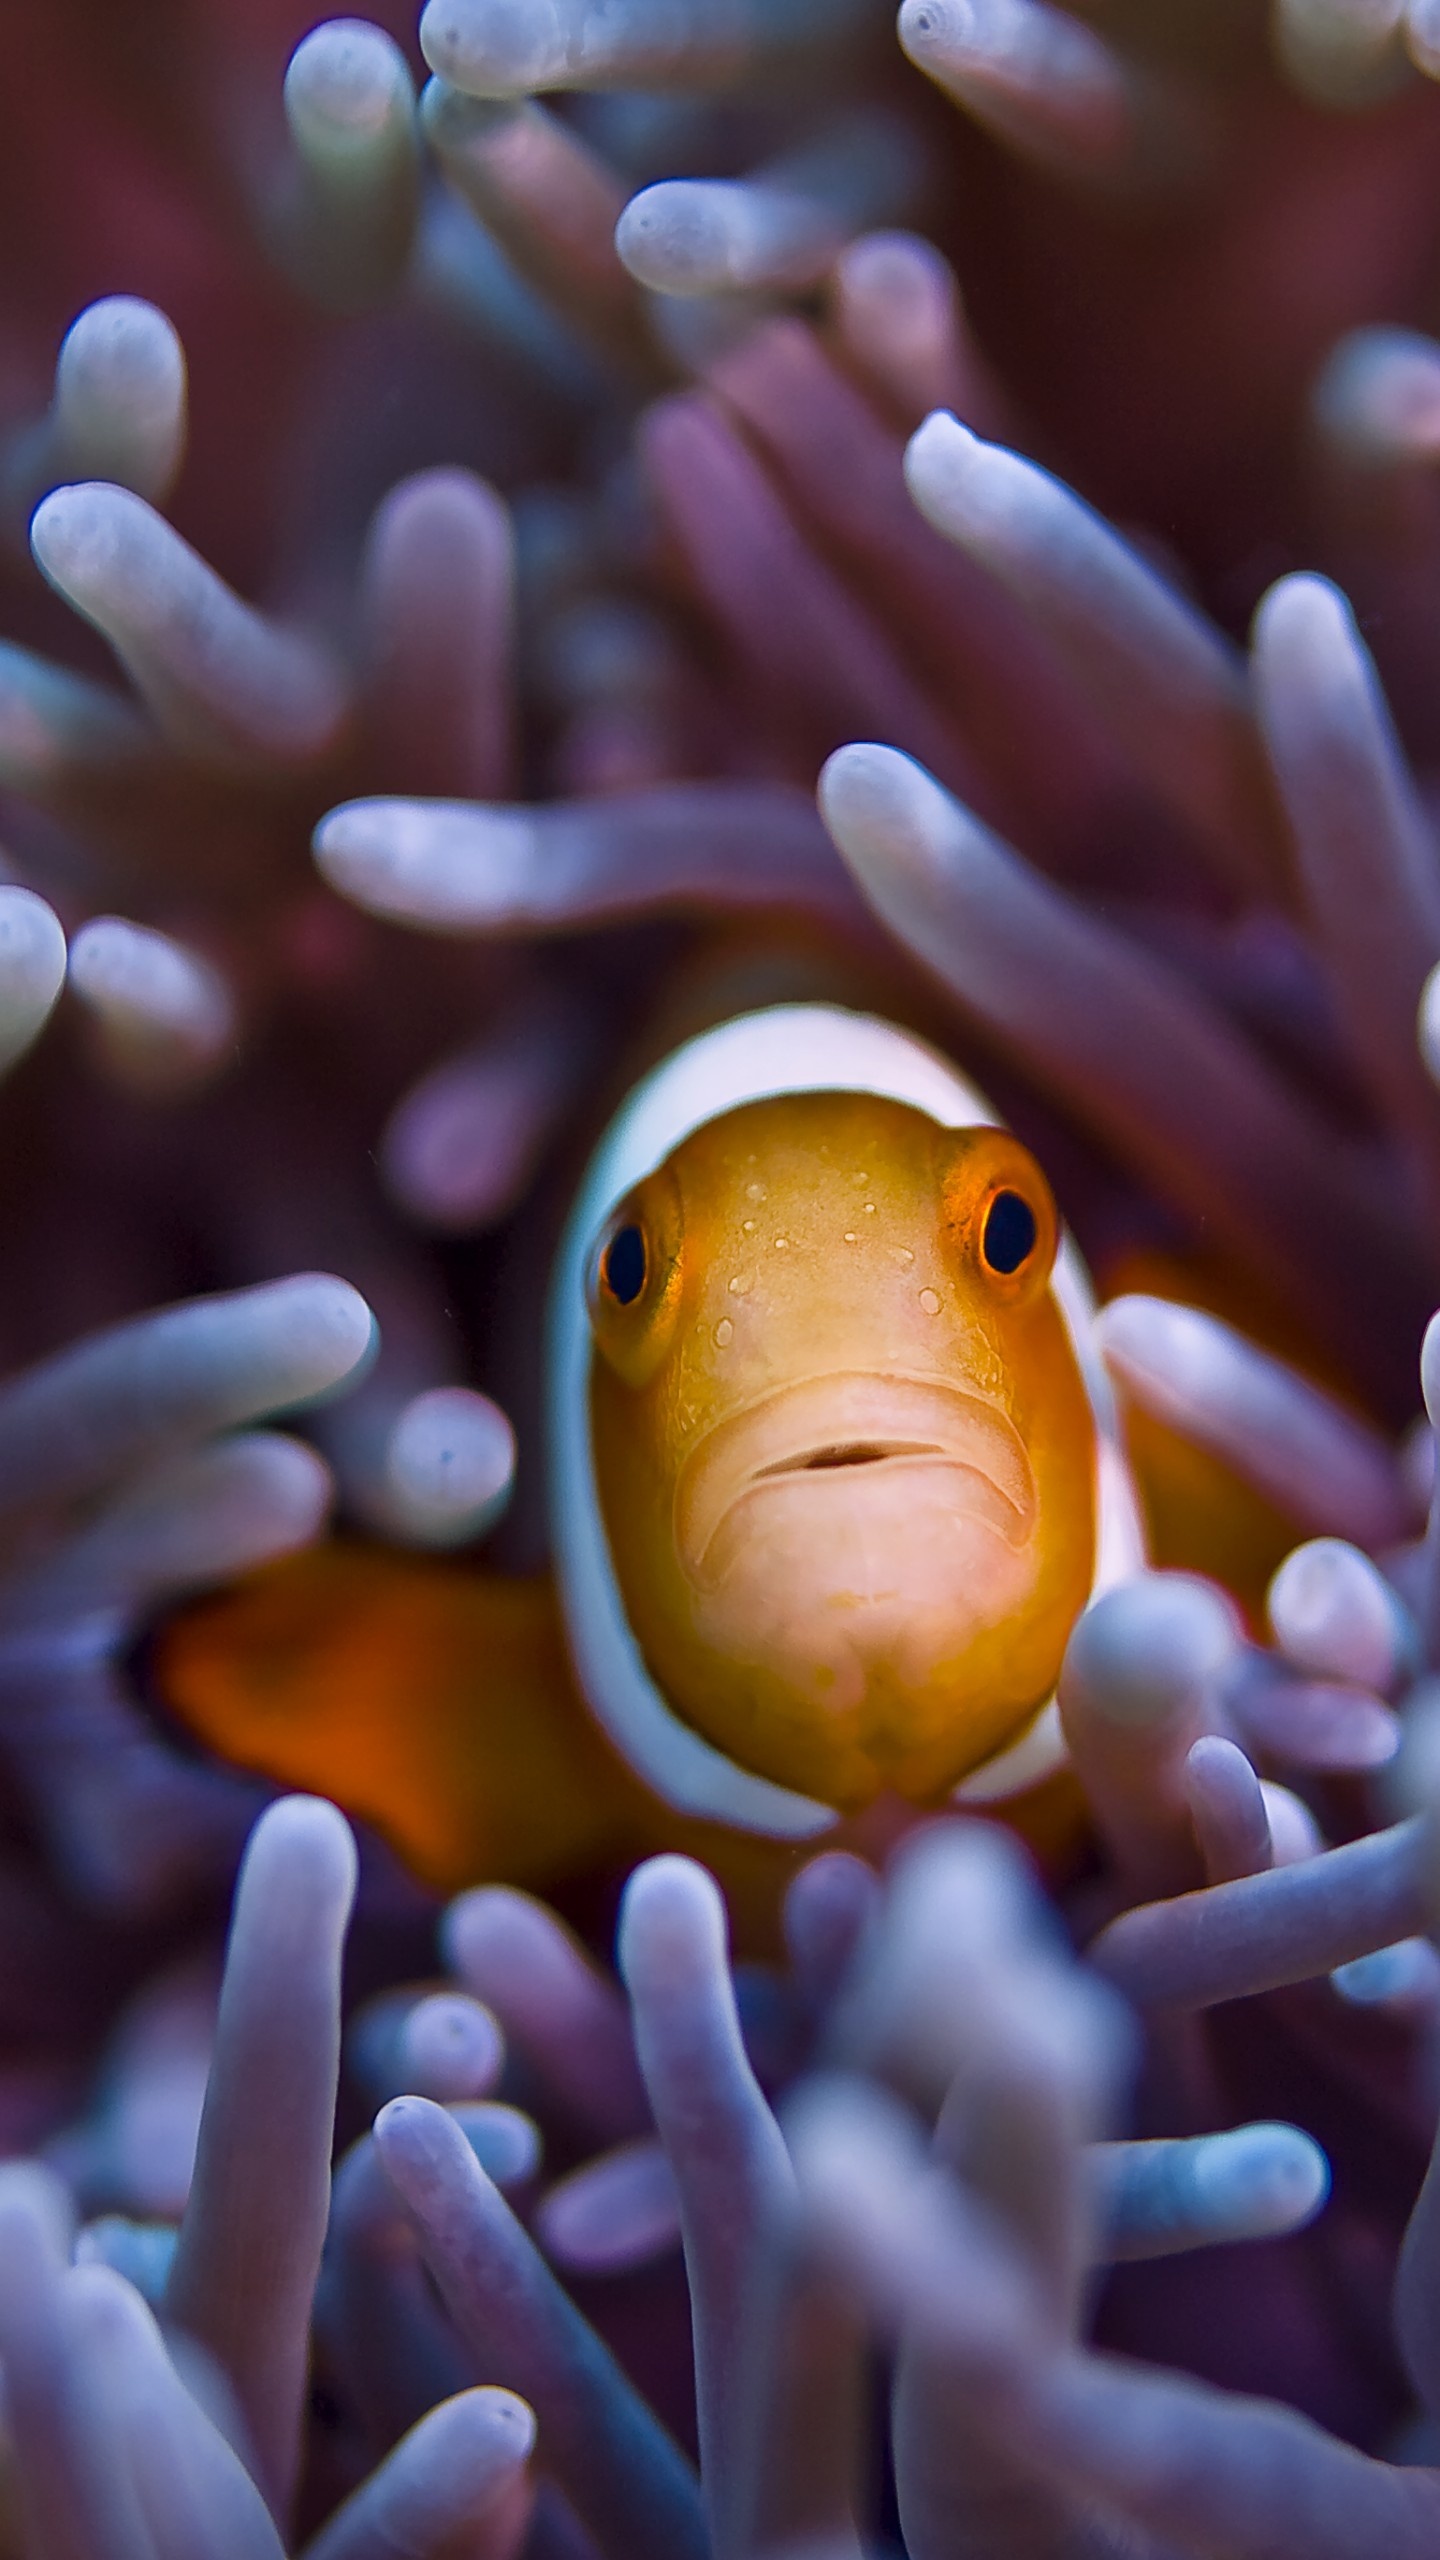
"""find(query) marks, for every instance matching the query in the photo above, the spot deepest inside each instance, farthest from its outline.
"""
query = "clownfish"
(833, 1470)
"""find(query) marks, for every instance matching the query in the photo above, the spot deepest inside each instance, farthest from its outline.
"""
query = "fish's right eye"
(1011, 1232)
(624, 1265)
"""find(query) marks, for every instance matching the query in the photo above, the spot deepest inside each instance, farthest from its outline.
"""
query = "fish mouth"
(854, 1440)
(849, 1453)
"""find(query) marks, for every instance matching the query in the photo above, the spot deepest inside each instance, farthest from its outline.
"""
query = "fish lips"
(855, 1439)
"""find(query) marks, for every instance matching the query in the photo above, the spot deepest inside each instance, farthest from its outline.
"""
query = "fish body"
(832, 1471)
(824, 1536)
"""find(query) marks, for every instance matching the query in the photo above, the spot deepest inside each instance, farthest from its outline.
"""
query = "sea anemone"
(945, 2183)
(609, 465)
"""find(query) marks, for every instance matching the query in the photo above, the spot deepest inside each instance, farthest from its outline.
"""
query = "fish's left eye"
(633, 1278)
(624, 1264)
(1009, 1235)
(999, 1216)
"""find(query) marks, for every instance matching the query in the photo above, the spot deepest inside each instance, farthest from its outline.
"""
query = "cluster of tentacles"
(491, 476)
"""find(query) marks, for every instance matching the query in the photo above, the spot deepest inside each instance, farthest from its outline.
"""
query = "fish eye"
(1009, 1235)
(624, 1265)
(634, 1278)
(999, 1217)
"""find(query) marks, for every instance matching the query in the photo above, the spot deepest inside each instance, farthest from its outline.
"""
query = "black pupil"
(624, 1265)
(1009, 1237)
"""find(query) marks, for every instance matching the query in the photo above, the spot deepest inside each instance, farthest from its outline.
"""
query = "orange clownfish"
(833, 1471)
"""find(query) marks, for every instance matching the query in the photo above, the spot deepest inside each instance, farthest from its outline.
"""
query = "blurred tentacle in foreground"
(223, 681)
(1156, 673)
(1142, 1683)
(1055, 90)
(1365, 855)
(350, 107)
(554, 2003)
(552, 204)
(628, 2482)
(32, 969)
(488, 48)
(166, 1016)
(1161, 1077)
(1327, 1469)
(436, 607)
(457, 2479)
(249, 2250)
(1233, 1940)
(722, 2142)
(458, 868)
(132, 1395)
(118, 412)
(778, 230)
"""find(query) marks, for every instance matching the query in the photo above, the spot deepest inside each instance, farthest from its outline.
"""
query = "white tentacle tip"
(1304, 625)
(450, 1465)
(672, 1910)
(1430, 1370)
(345, 80)
(309, 1835)
(1262, 2179)
(965, 486)
(32, 966)
(357, 848)
(493, 48)
(78, 530)
(938, 454)
(1428, 1023)
(880, 806)
(333, 1334)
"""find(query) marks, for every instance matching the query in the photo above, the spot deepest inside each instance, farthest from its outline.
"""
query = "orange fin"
(436, 1702)
(429, 1699)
